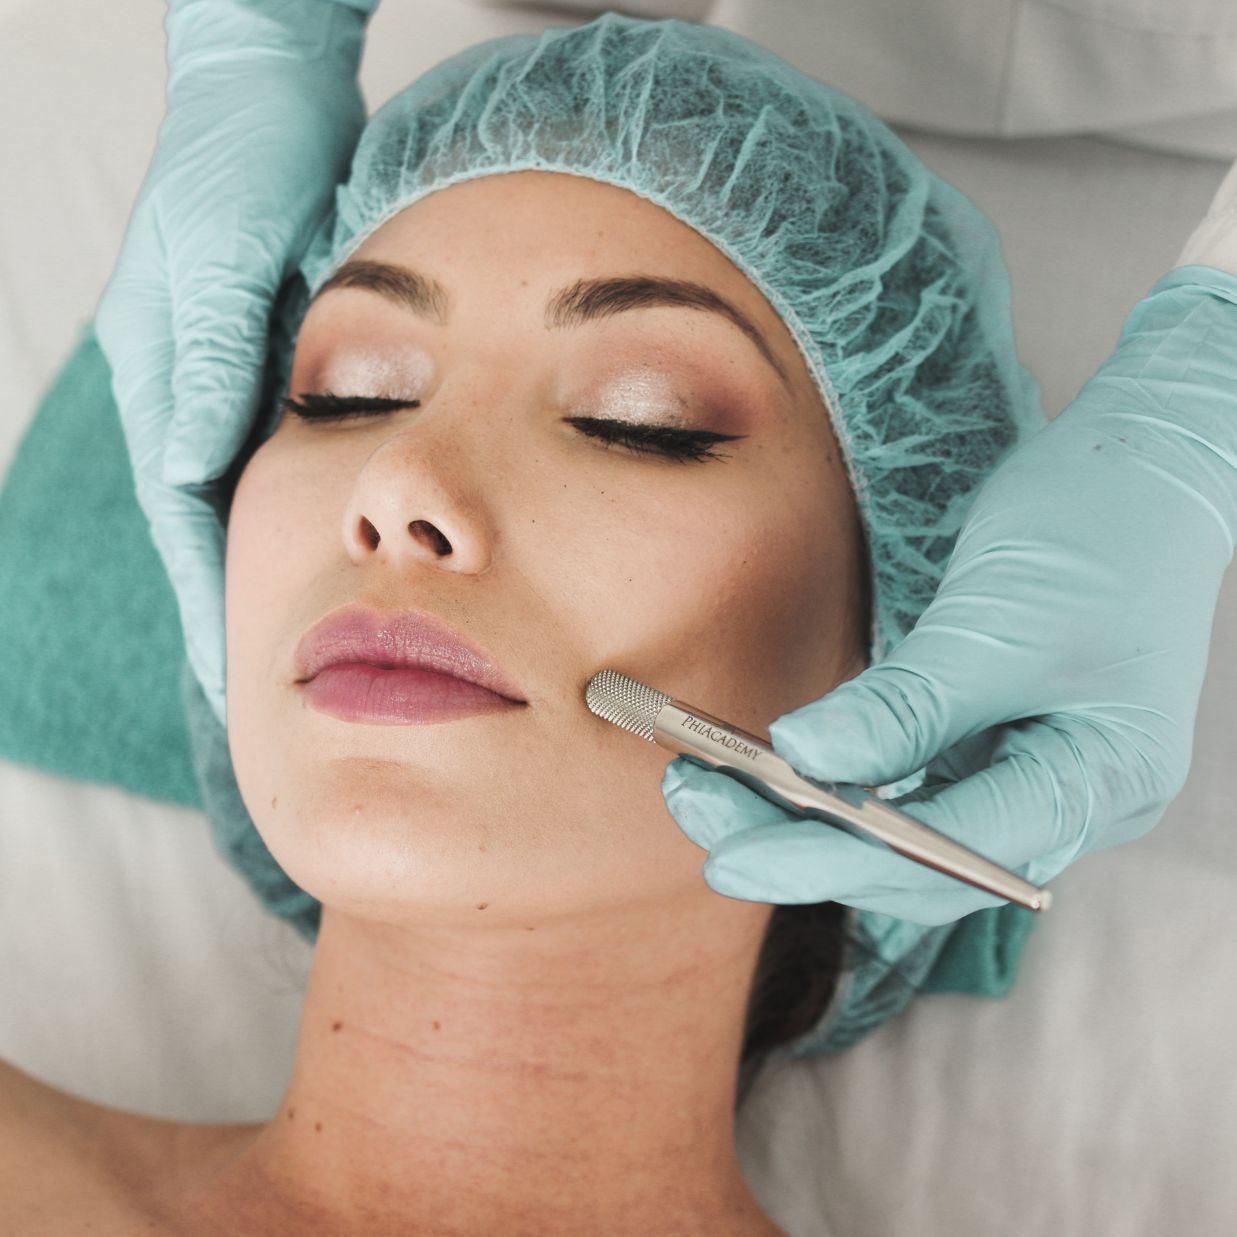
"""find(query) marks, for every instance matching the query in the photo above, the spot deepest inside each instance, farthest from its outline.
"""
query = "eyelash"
(664, 440)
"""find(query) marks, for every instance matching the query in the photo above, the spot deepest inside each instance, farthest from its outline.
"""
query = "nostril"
(370, 533)
(427, 532)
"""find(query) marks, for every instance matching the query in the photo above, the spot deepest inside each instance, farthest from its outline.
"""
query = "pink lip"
(403, 668)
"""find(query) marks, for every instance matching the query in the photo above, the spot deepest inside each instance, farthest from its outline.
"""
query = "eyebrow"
(586, 300)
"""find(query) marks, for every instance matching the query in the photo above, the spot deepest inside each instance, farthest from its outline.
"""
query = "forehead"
(540, 229)
(520, 236)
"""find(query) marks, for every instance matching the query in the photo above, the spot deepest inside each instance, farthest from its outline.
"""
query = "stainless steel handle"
(750, 760)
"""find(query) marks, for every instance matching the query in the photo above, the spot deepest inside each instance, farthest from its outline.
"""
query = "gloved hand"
(263, 115)
(1050, 688)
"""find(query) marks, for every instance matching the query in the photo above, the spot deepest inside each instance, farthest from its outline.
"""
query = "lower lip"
(359, 692)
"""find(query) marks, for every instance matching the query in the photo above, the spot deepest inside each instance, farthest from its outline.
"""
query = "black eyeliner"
(327, 407)
(665, 440)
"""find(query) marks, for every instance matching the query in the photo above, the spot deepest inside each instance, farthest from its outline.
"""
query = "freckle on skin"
(336, 1025)
(437, 1026)
(317, 1127)
(482, 905)
(274, 801)
(291, 1113)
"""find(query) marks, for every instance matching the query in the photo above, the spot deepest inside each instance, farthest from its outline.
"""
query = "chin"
(373, 840)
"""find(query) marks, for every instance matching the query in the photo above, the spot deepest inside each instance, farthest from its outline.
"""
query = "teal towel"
(95, 684)
(92, 647)
(980, 957)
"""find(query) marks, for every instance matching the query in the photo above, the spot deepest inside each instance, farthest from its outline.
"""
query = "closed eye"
(666, 440)
(328, 407)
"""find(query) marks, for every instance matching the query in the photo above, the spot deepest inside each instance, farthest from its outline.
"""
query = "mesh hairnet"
(889, 280)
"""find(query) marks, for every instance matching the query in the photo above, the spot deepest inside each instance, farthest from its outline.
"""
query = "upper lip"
(355, 633)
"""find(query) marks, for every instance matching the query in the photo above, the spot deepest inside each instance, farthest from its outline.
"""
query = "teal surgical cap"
(890, 282)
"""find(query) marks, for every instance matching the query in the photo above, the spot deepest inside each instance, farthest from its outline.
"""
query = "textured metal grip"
(616, 698)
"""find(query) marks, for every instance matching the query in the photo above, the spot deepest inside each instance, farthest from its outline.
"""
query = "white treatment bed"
(1100, 1098)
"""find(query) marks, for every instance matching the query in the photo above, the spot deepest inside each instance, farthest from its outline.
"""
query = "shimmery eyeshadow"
(642, 395)
(377, 372)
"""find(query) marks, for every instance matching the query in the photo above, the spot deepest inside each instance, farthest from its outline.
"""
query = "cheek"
(282, 525)
(740, 599)
(260, 524)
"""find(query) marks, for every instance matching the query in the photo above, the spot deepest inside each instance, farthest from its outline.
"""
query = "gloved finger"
(133, 324)
(788, 860)
(804, 861)
(759, 852)
(221, 324)
(191, 541)
(873, 729)
(887, 722)
(1037, 804)
(708, 805)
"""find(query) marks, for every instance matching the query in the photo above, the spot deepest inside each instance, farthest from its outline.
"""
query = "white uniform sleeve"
(1214, 241)
(1156, 73)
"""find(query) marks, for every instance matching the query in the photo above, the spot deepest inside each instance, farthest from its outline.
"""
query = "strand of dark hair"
(795, 978)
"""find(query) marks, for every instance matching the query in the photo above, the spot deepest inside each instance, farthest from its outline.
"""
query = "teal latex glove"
(263, 115)
(1051, 686)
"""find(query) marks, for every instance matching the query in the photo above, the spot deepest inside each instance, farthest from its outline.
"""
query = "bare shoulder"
(70, 1165)
(35, 1117)
(63, 1157)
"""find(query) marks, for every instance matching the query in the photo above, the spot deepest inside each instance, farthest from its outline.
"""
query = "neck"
(545, 1078)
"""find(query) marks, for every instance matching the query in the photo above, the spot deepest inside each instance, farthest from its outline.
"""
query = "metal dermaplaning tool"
(686, 730)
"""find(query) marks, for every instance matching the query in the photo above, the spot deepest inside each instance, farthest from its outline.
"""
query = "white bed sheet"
(1098, 1099)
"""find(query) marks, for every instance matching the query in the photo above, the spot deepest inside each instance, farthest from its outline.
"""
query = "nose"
(405, 509)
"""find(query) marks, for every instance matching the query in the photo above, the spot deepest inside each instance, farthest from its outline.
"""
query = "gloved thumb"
(874, 729)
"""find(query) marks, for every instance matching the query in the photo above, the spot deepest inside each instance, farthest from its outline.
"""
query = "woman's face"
(733, 583)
